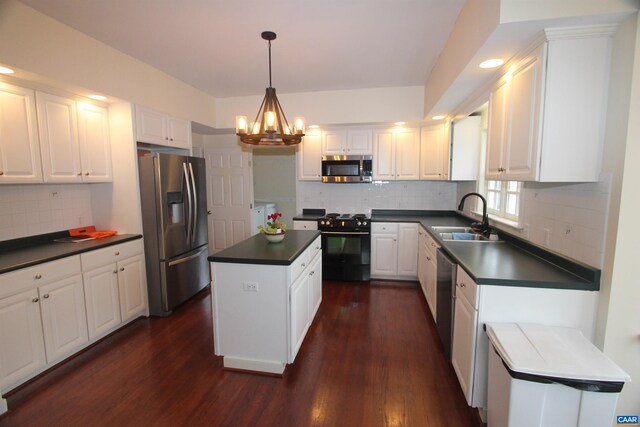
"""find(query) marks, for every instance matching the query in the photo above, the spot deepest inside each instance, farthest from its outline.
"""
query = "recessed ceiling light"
(97, 97)
(440, 117)
(491, 63)
(5, 70)
(313, 126)
(399, 123)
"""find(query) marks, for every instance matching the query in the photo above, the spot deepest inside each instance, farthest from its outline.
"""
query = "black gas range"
(346, 241)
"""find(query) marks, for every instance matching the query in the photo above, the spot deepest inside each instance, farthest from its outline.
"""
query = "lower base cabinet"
(52, 310)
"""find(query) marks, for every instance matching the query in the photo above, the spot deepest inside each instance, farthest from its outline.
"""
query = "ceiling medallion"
(270, 126)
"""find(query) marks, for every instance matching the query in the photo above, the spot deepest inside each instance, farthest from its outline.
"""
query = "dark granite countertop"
(21, 253)
(510, 262)
(310, 215)
(257, 250)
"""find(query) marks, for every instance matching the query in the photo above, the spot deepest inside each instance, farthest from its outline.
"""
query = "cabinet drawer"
(384, 227)
(467, 286)
(38, 275)
(430, 244)
(298, 266)
(110, 254)
(314, 248)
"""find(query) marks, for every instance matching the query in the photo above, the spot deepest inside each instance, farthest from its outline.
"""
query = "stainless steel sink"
(463, 237)
(451, 229)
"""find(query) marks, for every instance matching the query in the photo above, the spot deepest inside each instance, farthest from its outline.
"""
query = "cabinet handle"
(35, 300)
(121, 268)
(45, 296)
(117, 253)
(38, 276)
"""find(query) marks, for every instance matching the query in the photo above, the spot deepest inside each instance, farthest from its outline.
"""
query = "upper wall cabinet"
(350, 142)
(158, 128)
(396, 154)
(464, 161)
(547, 117)
(309, 157)
(19, 147)
(74, 140)
(434, 152)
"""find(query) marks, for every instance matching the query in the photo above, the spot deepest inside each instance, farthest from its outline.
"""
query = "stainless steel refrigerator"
(174, 214)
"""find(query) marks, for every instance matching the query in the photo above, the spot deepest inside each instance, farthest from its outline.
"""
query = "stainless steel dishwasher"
(445, 289)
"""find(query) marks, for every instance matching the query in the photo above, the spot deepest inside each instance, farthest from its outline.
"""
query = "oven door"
(346, 255)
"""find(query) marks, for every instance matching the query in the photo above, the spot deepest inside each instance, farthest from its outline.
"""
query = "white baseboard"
(254, 365)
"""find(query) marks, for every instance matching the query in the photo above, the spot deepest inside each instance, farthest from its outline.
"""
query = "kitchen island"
(265, 296)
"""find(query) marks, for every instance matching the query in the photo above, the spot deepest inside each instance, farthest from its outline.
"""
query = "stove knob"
(364, 222)
(322, 222)
(359, 223)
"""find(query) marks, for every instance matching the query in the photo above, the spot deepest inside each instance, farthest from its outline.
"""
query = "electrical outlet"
(250, 286)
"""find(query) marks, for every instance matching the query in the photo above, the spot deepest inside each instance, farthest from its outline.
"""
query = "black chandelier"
(270, 126)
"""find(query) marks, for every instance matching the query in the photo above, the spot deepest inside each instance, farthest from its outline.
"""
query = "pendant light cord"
(269, 63)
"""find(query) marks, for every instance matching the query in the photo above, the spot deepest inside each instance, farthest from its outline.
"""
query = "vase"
(274, 237)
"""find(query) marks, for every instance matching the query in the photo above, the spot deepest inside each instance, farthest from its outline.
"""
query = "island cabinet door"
(299, 313)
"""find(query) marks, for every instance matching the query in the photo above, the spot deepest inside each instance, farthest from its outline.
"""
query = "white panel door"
(19, 146)
(102, 300)
(22, 350)
(497, 123)
(359, 142)
(179, 131)
(334, 142)
(384, 255)
(408, 250)
(463, 347)
(309, 154)
(64, 319)
(151, 126)
(59, 146)
(431, 154)
(230, 197)
(299, 294)
(95, 144)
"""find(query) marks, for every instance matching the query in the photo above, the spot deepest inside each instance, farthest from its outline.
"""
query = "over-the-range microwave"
(346, 169)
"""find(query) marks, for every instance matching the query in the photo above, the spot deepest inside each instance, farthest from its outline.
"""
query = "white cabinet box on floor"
(549, 376)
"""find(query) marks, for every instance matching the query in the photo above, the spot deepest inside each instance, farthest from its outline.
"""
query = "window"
(503, 199)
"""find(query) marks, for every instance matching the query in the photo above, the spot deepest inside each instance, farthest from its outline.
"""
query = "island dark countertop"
(511, 262)
(45, 251)
(257, 250)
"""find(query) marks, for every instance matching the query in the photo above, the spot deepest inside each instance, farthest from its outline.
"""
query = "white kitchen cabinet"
(396, 154)
(394, 250)
(464, 338)
(262, 312)
(102, 300)
(19, 143)
(427, 269)
(59, 145)
(157, 128)
(476, 305)
(464, 158)
(64, 318)
(74, 140)
(351, 142)
(551, 107)
(309, 153)
(130, 300)
(22, 353)
(300, 315)
(434, 153)
(95, 143)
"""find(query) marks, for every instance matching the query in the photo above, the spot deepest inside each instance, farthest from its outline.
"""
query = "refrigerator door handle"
(194, 206)
(185, 259)
(189, 202)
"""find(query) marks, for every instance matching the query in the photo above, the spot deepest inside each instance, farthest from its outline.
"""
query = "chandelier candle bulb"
(299, 125)
(241, 125)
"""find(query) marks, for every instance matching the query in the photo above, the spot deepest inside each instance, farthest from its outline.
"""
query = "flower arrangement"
(275, 225)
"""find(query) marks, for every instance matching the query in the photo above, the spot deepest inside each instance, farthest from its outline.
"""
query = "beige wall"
(42, 47)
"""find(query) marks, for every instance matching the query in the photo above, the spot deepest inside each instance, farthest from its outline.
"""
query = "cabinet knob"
(304, 265)
(79, 173)
(166, 138)
(428, 259)
(35, 300)
(2, 173)
(45, 296)
(462, 285)
(318, 247)
(394, 240)
(121, 268)
(311, 274)
(209, 212)
(117, 253)
(86, 174)
(38, 276)
(433, 244)
(170, 139)
(115, 271)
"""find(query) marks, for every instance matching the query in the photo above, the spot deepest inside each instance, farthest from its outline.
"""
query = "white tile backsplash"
(361, 198)
(575, 216)
(27, 210)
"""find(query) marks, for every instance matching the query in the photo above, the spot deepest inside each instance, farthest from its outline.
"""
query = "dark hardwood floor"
(371, 358)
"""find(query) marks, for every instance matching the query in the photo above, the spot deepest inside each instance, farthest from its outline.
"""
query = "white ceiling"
(215, 45)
